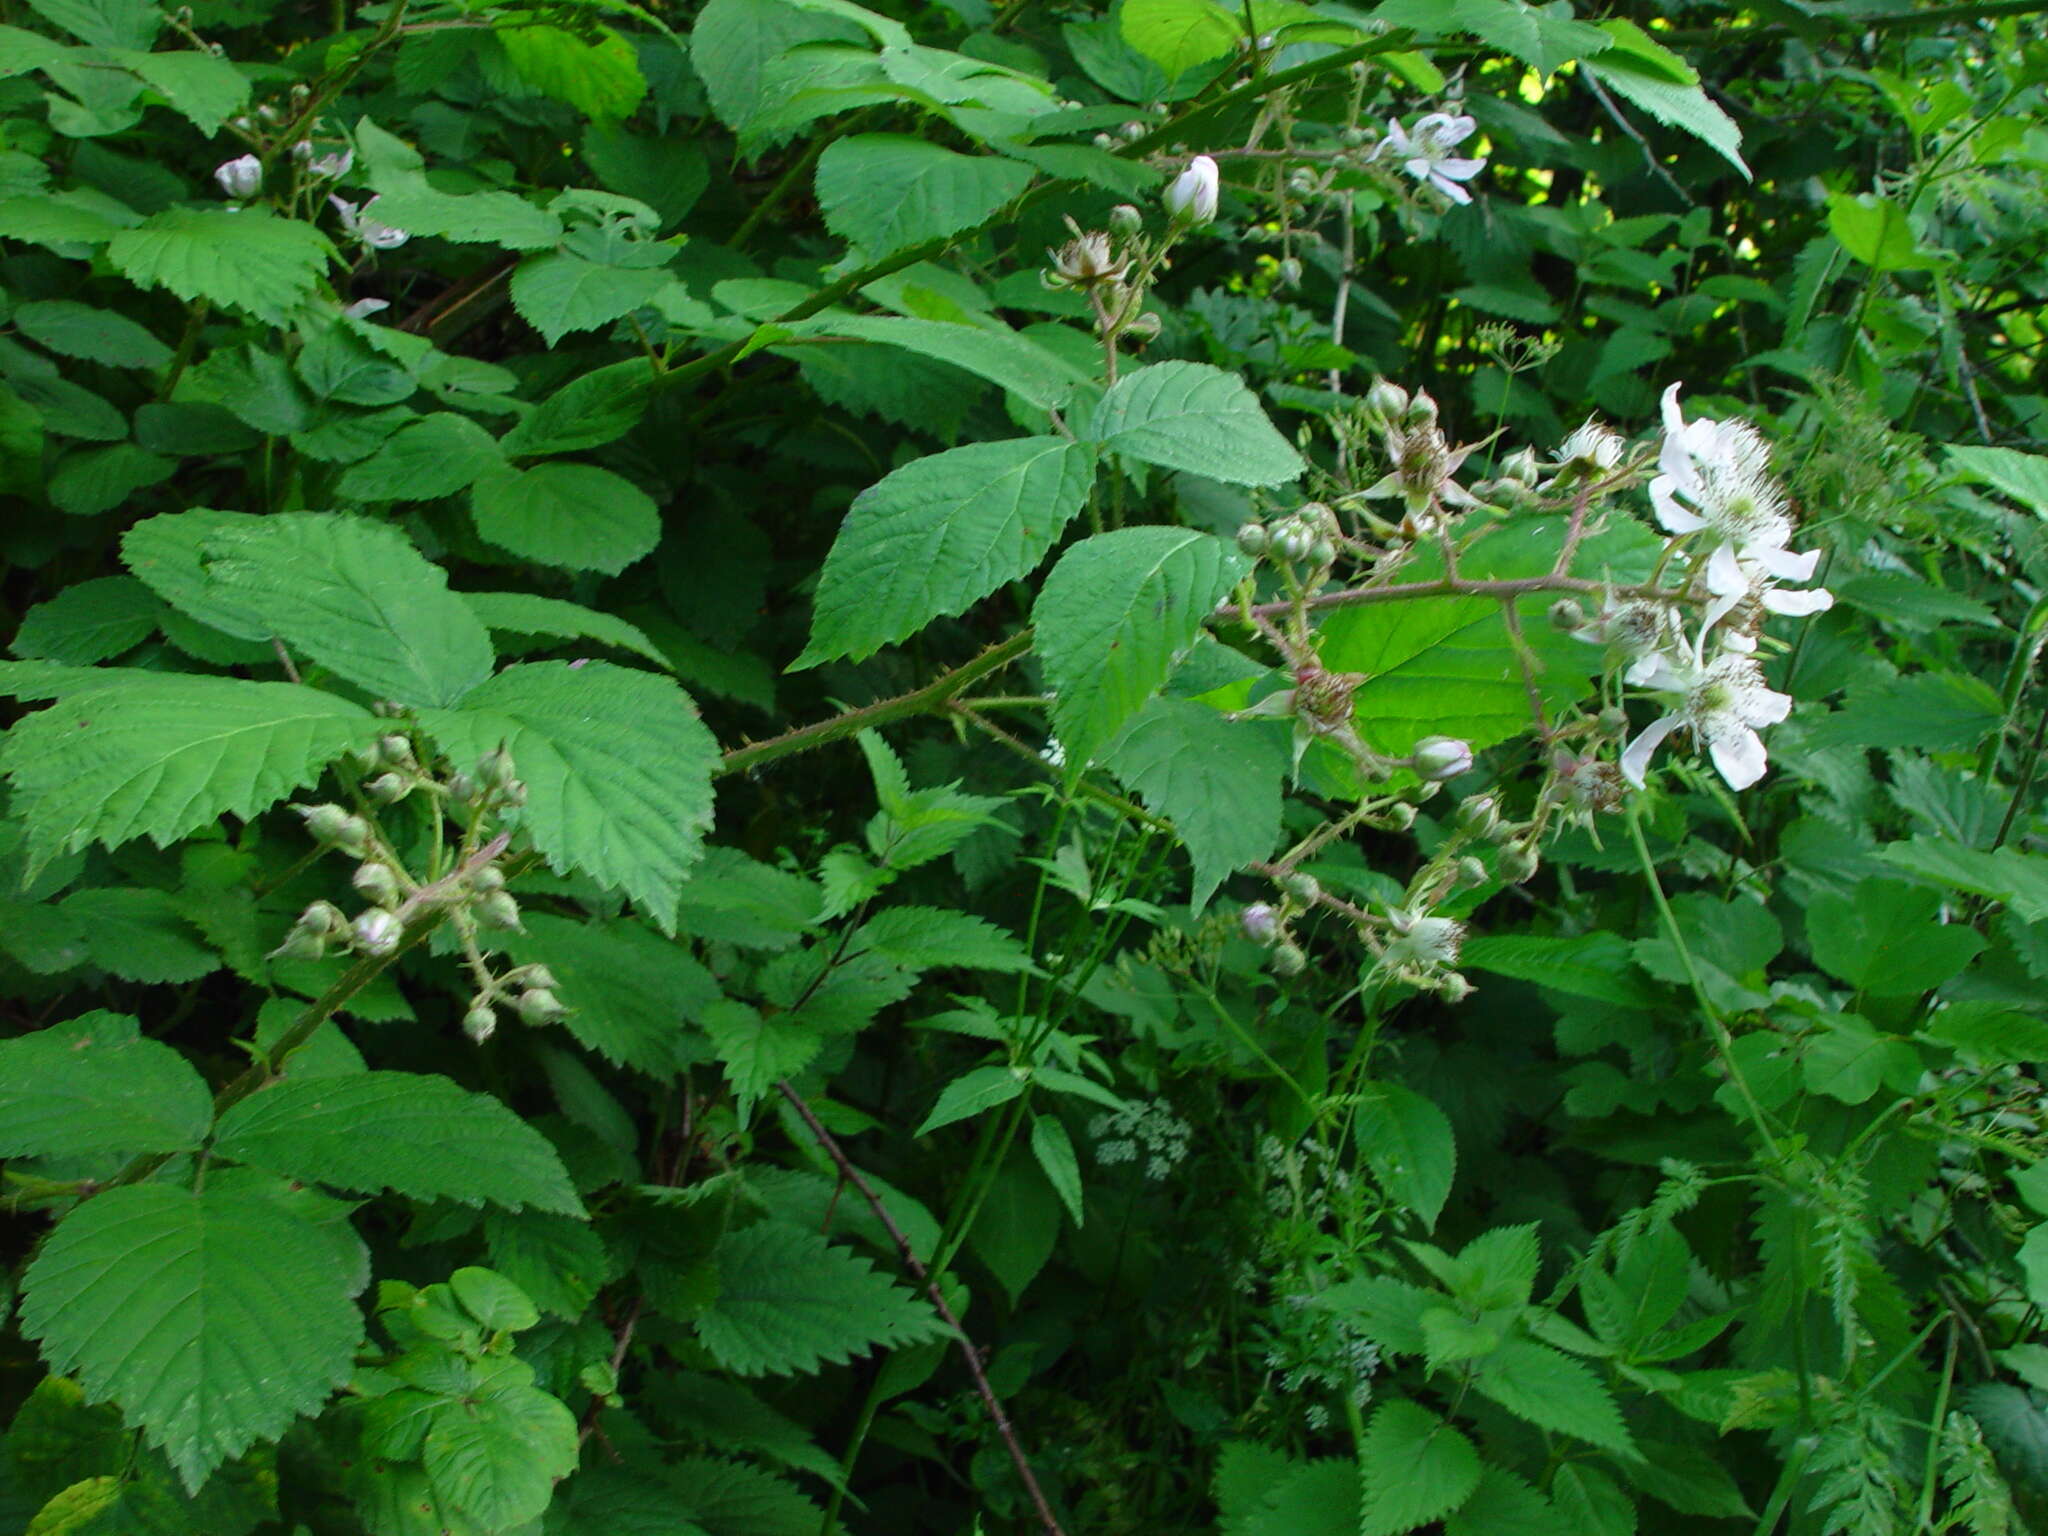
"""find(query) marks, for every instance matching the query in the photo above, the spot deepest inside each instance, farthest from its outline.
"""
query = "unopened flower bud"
(325, 919)
(1290, 272)
(1438, 758)
(1302, 887)
(1322, 553)
(531, 976)
(1454, 988)
(1521, 468)
(396, 750)
(1398, 817)
(388, 788)
(1261, 923)
(1613, 721)
(377, 932)
(1289, 961)
(1145, 327)
(1421, 412)
(1125, 220)
(497, 910)
(489, 878)
(1518, 863)
(364, 758)
(377, 884)
(1293, 539)
(1478, 815)
(480, 1023)
(495, 767)
(334, 827)
(1191, 196)
(539, 1006)
(1386, 400)
(461, 788)
(1470, 872)
(514, 793)
(241, 177)
(1252, 538)
(1567, 615)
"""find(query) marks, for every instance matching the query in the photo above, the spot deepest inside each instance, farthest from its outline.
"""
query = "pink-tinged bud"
(378, 933)
(1261, 923)
(241, 178)
(539, 1006)
(1438, 758)
(324, 919)
(1478, 815)
(1191, 197)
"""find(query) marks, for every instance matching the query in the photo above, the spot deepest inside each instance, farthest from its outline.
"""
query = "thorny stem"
(925, 1278)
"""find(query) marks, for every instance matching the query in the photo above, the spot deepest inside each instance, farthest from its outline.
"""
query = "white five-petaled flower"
(1723, 703)
(241, 177)
(1736, 575)
(374, 233)
(1716, 476)
(1593, 446)
(1426, 152)
(1191, 196)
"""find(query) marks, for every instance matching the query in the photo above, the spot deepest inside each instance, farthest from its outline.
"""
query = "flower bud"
(1521, 468)
(1289, 961)
(1438, 758)
(1191, 197)
(1125, 220)
(1470, 872)
(514, 793)
(489, 878)
(364, 758)
(461, 788)
(1303, 888)
(396, 750)
(539, 1006)
(480, 1023)
(1454, 988)
(1290, 272)
(497, 910)
(241, 177)
(377, 884)
(1398, 817)
(1421, 413)
(324, 919)
(1322, 553)
(334, 827)
(388, 788)
(1145, 327)
(377, 933)
(1518, 863)
(1386, 400)
(1478, 815)
(531, 976)
(1566, 615)
(1293, 539)
(1261, 924)
(495, 768)
(1252, 539)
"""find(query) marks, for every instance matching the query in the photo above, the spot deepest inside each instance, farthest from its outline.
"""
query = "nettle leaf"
(416, 1133)
(358, 599)
(789, 1302)
(927, 938)
(213, 1319)
(1408, 1144)
(885, 192)
(939, 535)
(1553, 1391)
(248, 260)
(617, 768)
(89, 621)
(1192, 417)
(758, 1050)
(575, 516)
(1687, 108)
(1503, 1505)
(561, 292)
(97, 1085)
(1218, 781)
(1596, 965)
(1414, 1468)
(127, 754)
(97, 335)
(1114, 614)
(525, 613)
(1888, 938)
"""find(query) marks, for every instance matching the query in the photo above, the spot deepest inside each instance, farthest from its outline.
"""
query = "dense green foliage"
(778, 767)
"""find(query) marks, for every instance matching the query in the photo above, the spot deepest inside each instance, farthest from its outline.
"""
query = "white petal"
(1635, 757)
(1674, 421)
(1799, 604)
(1785, 564)
(1675, 518)
(1741, 758)
(1766, 706)
(1461, 170)
(1718, 610)
(1451, 189)
(1725, 576)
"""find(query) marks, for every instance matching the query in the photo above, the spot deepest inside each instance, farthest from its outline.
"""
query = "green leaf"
(1846, 1060)
(733, 41)
(1179, 34)
(493, 1300)
(789, 1302)
(1541, 41)
(1192, 417)
(140, 934)
(975, 1093)
(356, 598)
(1413, 1467)
(1591, 1503)
(885, 192)
(1935, 711)
(1015, 362)
(212, 1319)
(200, 87)
(129, 755)
(1113, 615)
(89, 621)
(560, 292)
(758, 1050)
(250, 260)
(1319, 1499)
(616, 764)
(2004, 874)
(575, 516)
(2023, 477)
(940, 534)
(587, 412)
(667, 174)
(558, 1261)
(98, 335)
(1688, 1480)
(1407, 1142)
(1594, 965)
(600, 79)
(437, 455)
(104, 23)
(1552, 1391)
(1875, 231)
(1684, 107)
(629, 992)
(169, 555)
(928, 938)
(1992, 1032)
(1888, 938)
(1504, 1505)
(496, 1455)
(1387, 1311)
(418, 1134)
(92, 481)
(1054, 1150)
(97, 1085)
(524, 613)
(1217, 780)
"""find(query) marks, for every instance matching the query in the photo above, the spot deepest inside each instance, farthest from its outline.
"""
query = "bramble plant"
(784, 767)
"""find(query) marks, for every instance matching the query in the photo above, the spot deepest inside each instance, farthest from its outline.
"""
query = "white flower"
(1722, 702)
(1430, 943)
(241, 177)
(332, 166)
(1716, 475)
(357, 221)
(1426, 154)
(1191, 196)
(1737, 575)
(1594, 447)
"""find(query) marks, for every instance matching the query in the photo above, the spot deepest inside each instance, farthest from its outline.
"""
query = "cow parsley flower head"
(1723, 702)
(1716, 476)
(1425, 152)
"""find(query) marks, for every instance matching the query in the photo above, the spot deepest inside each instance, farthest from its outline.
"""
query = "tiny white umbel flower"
(1426, 152)
(1191, 196)
(1723, 702)
(241, 177)
(374, 233)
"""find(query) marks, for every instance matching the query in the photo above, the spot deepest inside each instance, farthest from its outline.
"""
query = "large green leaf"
(600, 78)
(89, 621)
(1113, 615)
(1179, 34)
(98, 1085)
(2021, 476)
(1413, 1467)
(1554, 1391)
(587, 412)
(575, 516)
(558, 292)
(788, 1301)
(419, 1134)
(939, 535)
(126, 754)
(883, 192)
(1408, 1144)
(495, 1455)
(213, 1319)
(525, 613)
(732, 41)
(248, 260)
(1015, 362)
(435, 456)
(72, 329)
(1687, 108)
(630, 993)
(356, 598)
(1887, 938)
(616, 764)
(1595, 965)
(1192, 417)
